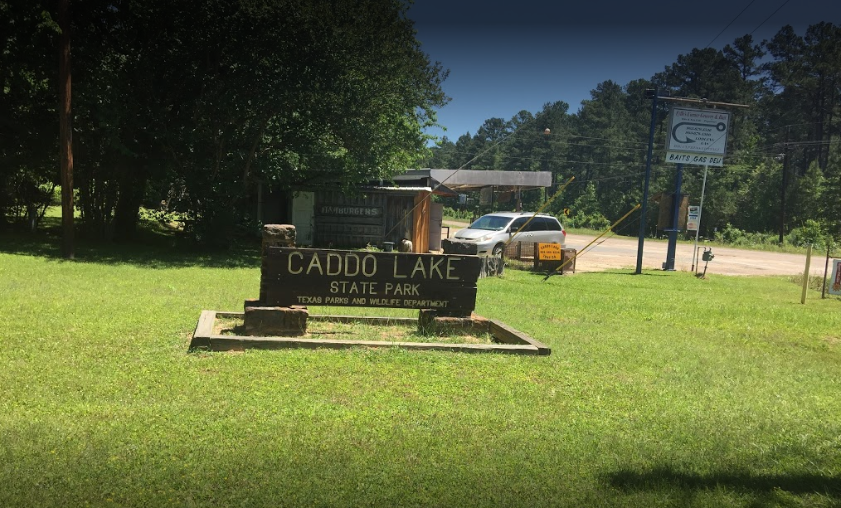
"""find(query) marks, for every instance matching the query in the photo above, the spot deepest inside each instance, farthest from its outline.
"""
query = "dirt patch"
(320, 329)
(619, 252)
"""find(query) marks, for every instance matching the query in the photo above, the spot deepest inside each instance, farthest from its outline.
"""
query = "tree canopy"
(194, 102)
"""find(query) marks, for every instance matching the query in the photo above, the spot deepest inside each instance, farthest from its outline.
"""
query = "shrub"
(811, 232)
(595, 221)
(730, 234)
(454, 213)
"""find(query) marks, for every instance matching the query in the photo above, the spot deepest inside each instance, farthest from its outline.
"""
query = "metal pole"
(647, 180)
(669, 265)
(700, 215)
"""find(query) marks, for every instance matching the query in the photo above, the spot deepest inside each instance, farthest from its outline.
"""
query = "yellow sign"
(549, 251)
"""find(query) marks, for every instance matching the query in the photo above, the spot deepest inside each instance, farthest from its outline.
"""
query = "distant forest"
(782, 150)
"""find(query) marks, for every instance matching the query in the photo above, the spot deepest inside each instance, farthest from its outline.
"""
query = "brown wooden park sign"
(445, 283)
(441, 286)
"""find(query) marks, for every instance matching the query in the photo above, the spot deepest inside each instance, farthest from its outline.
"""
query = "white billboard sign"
(701, 132)
(693, 218)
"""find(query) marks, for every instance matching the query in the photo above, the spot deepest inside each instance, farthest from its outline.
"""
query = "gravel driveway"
(621, 252)
(614, 252)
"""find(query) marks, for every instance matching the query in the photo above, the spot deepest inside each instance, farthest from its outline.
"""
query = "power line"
(769, 17)
(728, 24)
(611, 140)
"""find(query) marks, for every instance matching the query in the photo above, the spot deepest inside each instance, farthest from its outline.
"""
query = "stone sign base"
(505, 338)
(430, 322)
(284, 321)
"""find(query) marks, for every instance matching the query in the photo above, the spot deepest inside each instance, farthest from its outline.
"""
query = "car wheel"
(498, 248)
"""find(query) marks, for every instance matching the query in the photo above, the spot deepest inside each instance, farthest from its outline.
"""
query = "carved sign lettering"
(350, 211)
(444, 282)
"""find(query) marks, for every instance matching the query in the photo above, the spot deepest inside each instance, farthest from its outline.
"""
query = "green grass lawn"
(661, 390)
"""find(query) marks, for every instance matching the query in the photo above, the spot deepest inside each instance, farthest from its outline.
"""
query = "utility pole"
(65, 131)
(652, 93)
(783, 188)
(671, 249)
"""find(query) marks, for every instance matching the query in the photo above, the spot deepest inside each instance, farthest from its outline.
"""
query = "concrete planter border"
(507, 339)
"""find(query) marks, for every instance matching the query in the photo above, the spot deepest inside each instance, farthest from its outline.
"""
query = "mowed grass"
(661, 390)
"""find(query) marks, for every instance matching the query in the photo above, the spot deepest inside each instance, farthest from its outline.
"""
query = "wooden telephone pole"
(65, 131)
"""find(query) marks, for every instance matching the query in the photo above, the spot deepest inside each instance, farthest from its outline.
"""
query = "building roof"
(471, 180)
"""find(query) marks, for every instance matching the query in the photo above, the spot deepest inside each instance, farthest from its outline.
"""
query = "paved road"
(621, 252)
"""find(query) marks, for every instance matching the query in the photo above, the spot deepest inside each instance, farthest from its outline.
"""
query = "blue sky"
(508, 56)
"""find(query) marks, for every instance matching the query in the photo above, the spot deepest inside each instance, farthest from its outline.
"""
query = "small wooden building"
(371, 216)
(326, 216)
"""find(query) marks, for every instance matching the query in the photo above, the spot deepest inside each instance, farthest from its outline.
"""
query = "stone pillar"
(429, 322)
(261, 319)
(276, 321)
(274, 235)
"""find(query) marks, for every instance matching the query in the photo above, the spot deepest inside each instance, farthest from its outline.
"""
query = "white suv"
(491, 232)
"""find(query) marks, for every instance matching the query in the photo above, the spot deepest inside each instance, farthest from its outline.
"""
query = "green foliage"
(587, 202)
(459, 214)
(24, 197)
(595, 221)
(216, 96)
(830, 204)
(28, 118)
(164, 216)
(731, 235)
(810, 233)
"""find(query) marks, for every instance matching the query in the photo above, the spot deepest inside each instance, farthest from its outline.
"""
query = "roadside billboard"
(697, 136)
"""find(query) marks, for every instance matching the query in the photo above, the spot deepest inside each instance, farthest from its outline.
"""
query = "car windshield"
(491, 222)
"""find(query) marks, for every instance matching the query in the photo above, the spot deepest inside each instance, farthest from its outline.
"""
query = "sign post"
(698, 224)
(696, 136)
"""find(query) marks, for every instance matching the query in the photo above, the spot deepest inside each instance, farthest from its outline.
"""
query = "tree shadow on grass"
(151, 249)
(744, 482)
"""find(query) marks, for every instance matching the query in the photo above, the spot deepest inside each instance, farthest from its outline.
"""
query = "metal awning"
(472, 180)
